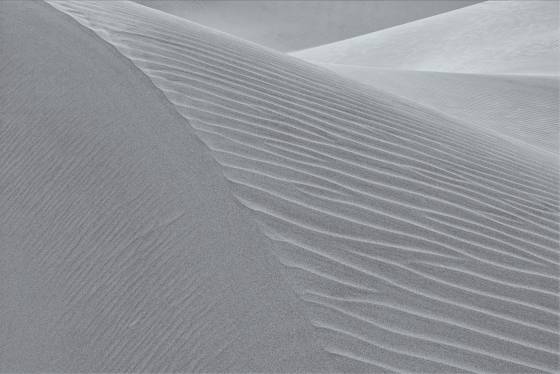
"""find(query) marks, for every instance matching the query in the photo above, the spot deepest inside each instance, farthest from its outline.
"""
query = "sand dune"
(504, 37)
(372, 235)
(522, 108)
(297, 24)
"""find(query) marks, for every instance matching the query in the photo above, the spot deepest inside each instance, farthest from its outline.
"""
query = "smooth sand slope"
(413, 243)
(524, 109)
(122, 249)
(297, 24)
(504, 37)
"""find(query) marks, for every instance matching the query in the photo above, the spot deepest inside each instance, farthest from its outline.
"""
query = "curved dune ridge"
(513, 37)
(414, 243)
(522, 108)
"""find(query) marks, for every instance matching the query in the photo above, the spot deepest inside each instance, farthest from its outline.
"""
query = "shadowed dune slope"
(121, 247)
(506, 37)
(523, 108)
(416, 243)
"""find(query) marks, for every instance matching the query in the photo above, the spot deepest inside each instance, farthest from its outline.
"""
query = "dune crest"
(297, 24)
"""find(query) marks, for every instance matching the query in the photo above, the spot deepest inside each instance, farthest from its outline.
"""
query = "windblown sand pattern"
(417, 244)
(413, 242)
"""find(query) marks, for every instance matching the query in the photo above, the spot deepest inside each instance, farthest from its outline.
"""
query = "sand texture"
(176, 199)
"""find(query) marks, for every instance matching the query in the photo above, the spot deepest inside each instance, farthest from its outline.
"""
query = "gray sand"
(122, 246)
(175, 199)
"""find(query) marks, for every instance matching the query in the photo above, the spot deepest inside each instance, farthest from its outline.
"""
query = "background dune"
(292, 25)
(502, 37)
(493, 64)
(178, 199)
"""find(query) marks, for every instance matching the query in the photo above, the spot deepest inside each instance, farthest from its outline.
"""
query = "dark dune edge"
(122, 249)
(416, 244)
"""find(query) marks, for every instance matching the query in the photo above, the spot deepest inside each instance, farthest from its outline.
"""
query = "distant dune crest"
(493, 37)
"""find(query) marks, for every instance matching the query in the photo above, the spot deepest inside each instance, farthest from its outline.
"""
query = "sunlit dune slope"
(506, 37)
